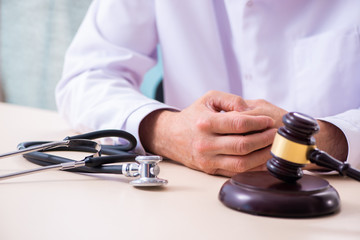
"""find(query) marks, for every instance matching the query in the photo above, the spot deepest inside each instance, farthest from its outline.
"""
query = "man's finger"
(235, 123)
(232, 163)
(242, 145)
(221, 101)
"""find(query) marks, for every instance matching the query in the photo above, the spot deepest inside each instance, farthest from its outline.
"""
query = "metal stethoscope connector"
(146, 169)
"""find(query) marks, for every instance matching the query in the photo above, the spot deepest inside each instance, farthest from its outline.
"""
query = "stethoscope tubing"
(145, 168)
(93, 164)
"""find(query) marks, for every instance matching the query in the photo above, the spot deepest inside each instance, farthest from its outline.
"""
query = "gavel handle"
(323, 159)
(353, 173)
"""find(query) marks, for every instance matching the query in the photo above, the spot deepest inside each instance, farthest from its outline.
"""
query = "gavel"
(294, 147)
(283, 190)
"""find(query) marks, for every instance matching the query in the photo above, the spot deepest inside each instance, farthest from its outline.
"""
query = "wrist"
(332, 140)
(152, 131)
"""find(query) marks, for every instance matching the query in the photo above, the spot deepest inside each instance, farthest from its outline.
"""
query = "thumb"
(221, 101)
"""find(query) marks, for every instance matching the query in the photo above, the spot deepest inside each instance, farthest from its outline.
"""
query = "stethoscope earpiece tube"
(109, 133)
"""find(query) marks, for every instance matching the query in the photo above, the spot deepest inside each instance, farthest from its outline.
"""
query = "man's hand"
(212, 135)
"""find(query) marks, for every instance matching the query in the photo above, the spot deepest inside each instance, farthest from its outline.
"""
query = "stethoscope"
(144, 167)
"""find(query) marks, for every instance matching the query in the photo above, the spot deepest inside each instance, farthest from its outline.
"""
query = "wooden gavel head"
(291, 146)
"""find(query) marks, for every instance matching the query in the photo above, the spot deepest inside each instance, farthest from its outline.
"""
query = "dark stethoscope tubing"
(115, 153)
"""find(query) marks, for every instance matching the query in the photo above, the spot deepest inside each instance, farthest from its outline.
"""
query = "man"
(220, 59)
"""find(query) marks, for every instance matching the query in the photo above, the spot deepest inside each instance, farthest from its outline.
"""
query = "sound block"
(260, 193)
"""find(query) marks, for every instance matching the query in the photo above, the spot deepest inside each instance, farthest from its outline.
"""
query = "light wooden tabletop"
(63, 205)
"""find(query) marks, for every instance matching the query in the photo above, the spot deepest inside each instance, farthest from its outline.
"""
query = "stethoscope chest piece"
(148, 170)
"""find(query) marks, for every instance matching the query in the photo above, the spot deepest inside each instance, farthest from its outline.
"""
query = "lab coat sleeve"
(349, 123)
(104, 67)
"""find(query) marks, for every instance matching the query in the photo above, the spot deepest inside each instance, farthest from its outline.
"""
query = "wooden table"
(63, 205)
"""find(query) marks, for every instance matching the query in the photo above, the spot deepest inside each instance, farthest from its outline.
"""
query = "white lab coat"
(299, 55)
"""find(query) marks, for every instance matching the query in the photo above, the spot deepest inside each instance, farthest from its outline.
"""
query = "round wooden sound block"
(260, 193)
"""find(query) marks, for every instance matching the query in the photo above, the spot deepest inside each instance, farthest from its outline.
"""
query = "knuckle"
(201, 147)
(261, 102)
(205, 165)
(241, 146)
(210, 93)
(203, 124)
(239, 100)
(239, 124)
(209, 170)
(198, 146)
(239, 103)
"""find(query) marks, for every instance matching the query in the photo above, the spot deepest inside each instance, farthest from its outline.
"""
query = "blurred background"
(34, 36)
